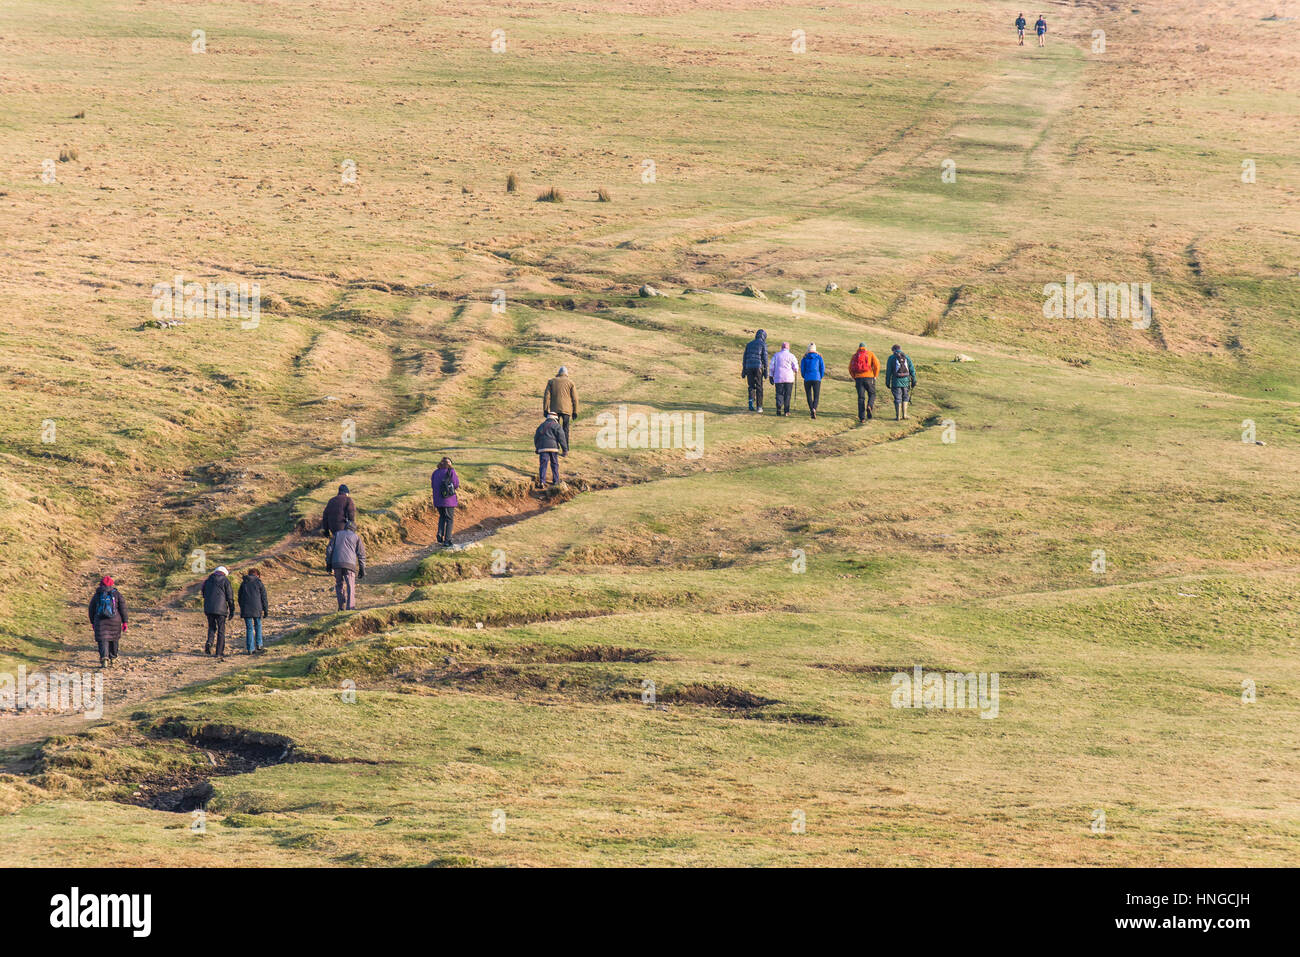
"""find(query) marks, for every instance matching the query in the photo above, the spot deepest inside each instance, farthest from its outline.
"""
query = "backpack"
(106, 606)
(445, 488)
(859, 365)
(902, 370)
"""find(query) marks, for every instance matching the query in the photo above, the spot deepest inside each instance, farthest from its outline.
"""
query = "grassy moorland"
(770, 587)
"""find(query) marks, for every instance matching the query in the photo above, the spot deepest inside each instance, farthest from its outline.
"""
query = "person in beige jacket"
(561, 398)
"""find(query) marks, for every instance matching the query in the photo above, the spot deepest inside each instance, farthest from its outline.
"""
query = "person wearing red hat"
(108, 618)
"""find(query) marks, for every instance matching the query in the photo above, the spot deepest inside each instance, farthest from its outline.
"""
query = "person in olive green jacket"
(561, 398)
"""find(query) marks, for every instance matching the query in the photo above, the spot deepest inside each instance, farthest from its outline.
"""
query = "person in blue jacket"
(1020, 28)
(813, 371)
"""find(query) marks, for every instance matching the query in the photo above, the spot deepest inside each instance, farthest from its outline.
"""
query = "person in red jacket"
(864, 367)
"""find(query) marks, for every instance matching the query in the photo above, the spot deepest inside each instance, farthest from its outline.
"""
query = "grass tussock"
(512, 183)
(552, 195)
(602, 196)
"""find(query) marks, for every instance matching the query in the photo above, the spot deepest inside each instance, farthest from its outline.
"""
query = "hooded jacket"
(218, 596)
(436, 479)
(347, 551)
(549, 437)
(756, 354)
(892, 379)
(812, 367)
(252, 598)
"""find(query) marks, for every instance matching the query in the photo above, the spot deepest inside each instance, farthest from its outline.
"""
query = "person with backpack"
(863, 369)
(445, 482)
(338, 512)
(345, 555)
(1020, 28)
(108, 619)
(253, 607)
(1041, 29)
(784, 371)
(813, 370)
(900, 378)
(561, 398)
(753, 367)
(549, 442)
(219, 606)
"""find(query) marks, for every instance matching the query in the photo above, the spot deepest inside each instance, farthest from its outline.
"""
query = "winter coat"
(346, 550)
(110, 627)
(437, 477)
(891, 377)
(811, 367)
(252, 598)
(784, 367)
(560, 396)
(339, 510)
(218, 596)
(756, 354)
(549, 437)
(873, 365)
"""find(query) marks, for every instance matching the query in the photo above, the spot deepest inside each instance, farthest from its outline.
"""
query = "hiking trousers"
(866, 395)
(107, 647)
(543, 459)
(345, 588)
(812, 390)
(564, 424)
(755, 377)
(252, 634)
(217, 630)
(783, 392)
(446, 518)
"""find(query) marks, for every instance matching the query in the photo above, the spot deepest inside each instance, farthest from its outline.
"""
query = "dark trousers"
(446, 517)
(755, 377)
(107, 647)
(783, 392)
(866, 396)
(813, 393)
(545, 458)
(217, 629)
(564, 423)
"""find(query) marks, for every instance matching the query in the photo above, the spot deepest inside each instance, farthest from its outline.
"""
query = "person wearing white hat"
(219, 606)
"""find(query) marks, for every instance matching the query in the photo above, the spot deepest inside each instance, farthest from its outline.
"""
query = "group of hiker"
(782, 370)
(1040, 28)
(345, 552)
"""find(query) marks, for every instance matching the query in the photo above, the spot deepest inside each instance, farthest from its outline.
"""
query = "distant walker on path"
(445, 483)
(561, 397)
(338, 512)
(108, 619)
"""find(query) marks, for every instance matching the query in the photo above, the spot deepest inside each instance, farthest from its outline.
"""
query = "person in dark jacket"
(108, 618)
(900, 378)
(253, 607)
(346, 557)
(338, 511)
(445, 480)
(219, 606)
(549, 443)
(753, 367)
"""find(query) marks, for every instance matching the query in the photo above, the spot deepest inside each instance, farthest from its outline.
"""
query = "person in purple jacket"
(445, 482)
